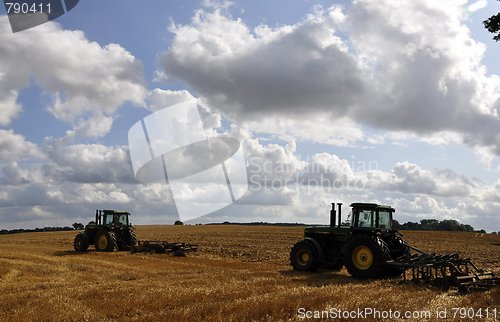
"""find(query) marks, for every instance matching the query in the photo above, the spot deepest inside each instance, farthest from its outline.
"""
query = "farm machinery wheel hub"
(303, 257)
(102, 242)
(362, 257)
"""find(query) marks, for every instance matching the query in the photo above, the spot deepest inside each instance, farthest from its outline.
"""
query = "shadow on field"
(70, 253)
(495, 244)
(323, 278)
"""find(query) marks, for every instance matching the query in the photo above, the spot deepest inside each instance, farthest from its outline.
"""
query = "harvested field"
(239, 273)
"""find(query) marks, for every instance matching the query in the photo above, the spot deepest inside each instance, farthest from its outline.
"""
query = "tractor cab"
(371, 216)
(110, 230)
(112, 218)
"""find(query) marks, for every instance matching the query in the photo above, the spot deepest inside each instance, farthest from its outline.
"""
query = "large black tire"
(397, 247)
(397, 250)
(304, 256)
(133, 238)
(366, 256)
(81, 242)
(105, 241)
(128, 241)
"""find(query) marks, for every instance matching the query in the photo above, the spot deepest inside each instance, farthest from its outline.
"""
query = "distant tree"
(178, 223)
(468, 228)
(494, 233)
(429, 224)
(78, 226)
(493, 25)
(449, 225)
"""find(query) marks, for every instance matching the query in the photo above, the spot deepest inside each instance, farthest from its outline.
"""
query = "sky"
(332, 101)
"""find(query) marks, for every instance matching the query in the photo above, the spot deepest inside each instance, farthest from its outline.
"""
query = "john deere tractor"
(363, 245)
(111, 230)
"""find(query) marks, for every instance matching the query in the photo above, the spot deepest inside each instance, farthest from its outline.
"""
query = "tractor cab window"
(122, 219)
(384, 219)
(365, 218)
(108, 219)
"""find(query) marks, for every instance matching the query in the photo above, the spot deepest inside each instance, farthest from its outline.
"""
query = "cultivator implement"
(444, 271)
(163, 247)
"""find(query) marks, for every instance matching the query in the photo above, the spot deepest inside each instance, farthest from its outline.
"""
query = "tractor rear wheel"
(81, 243)
(304, 256)
(365, 256)
(133, 238)
(105, 241)
(128, 241)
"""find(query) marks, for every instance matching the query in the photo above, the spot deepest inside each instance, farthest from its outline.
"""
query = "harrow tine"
(446, 270)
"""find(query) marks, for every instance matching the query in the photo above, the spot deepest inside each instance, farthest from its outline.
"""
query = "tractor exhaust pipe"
(340, 213)
(332, 215)
(96, 216)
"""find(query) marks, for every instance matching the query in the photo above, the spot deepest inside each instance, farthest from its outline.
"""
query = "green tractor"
(111, 230)
(364, 245)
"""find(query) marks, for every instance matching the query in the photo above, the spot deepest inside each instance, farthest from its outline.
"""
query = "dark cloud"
(394, 69)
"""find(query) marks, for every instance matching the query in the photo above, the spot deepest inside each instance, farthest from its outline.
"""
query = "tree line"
(434, 224)
(35, 230)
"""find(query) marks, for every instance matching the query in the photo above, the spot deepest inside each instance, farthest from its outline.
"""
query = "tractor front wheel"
(304, 256)
(105, 241)
(81, 243)
(366, 256)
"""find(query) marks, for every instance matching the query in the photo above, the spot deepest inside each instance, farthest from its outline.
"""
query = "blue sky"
(337, 84)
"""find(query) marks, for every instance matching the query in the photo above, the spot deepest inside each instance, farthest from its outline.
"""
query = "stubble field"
(239, 273)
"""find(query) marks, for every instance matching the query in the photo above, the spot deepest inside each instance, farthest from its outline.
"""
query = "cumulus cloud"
(9, 106)
(249, 72)
(159, 99)
(14, 147)
(88, 163)
(396, 71)
(12, 174)
(82, 77)
(428, 76)
(283, 187)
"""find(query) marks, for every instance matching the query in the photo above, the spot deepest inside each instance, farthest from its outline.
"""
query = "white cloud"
(243, 72)
(284, 187)
(82, 77)
(477, 5)
(95, 126)
(396, 71)
(159, 99)
(12, 174)
(8, 103)
(14, 147)
(88, 163)
(315, 129)
(485, 155)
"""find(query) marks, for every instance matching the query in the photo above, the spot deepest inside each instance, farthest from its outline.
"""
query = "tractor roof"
(116, 211)
(371, 206)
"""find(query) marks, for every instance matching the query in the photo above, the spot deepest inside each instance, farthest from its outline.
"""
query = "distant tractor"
(363, 246)
(111, 230)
